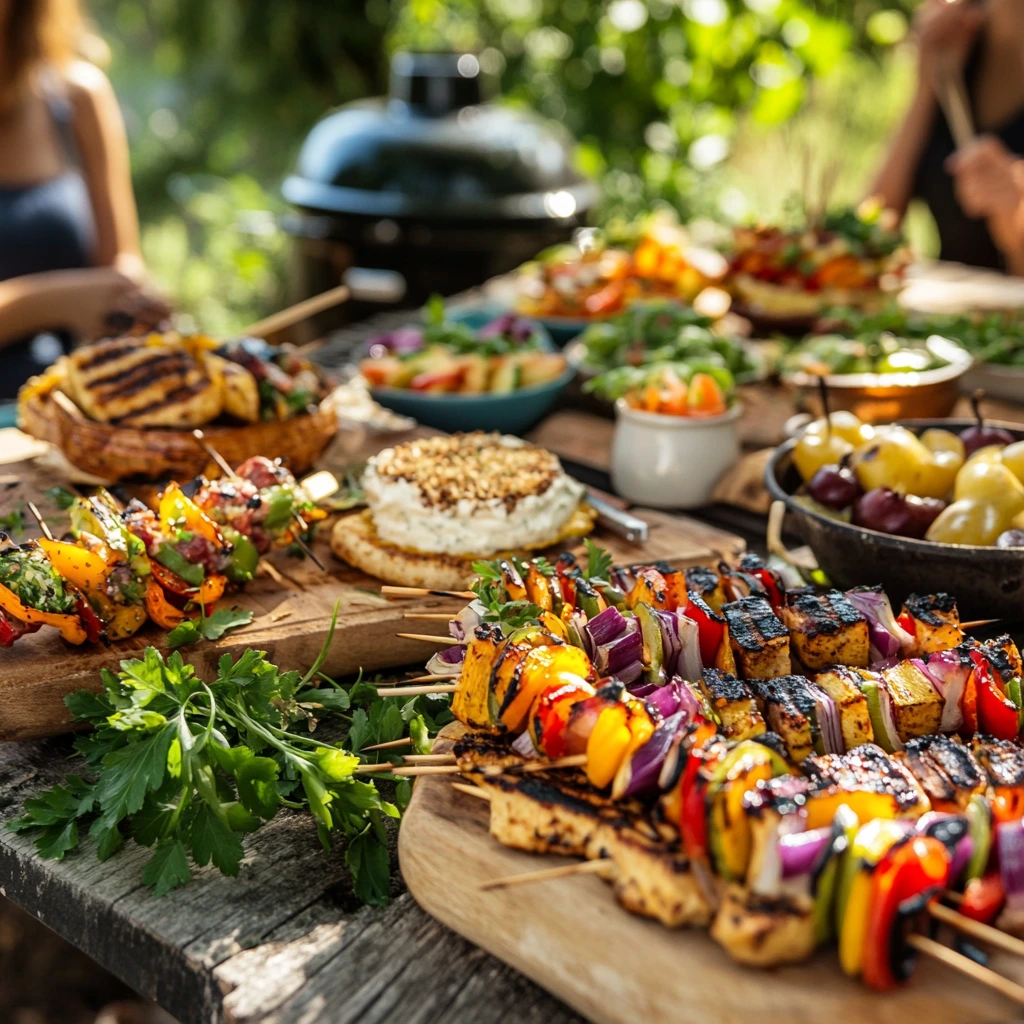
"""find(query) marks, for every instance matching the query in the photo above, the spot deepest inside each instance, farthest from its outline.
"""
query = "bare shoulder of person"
(88, 89)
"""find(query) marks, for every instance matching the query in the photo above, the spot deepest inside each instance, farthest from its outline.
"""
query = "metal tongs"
(621, 523)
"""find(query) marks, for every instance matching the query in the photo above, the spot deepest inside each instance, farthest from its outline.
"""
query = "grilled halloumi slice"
(789, 707)
(936, 623)
(945, 769)
(842, 684)
(706, 582)
(759, 640)
(761, 931)
(135, 384)
(825, 629)
(241, 392)
(734, 703)
(916, 707)
(860, 775)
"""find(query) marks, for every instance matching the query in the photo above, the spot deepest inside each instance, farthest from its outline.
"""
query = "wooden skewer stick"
(225, 468)
(958, 962)
(390, 591)
(434, 677)
(428, 616)
(415, 691)
(480, 794)
(585, 867)
(429, 759)
(975, 623)
(296, 314)
(47, 533)
(444, 641)
(403, 742)
(574, 761)
(977, 930)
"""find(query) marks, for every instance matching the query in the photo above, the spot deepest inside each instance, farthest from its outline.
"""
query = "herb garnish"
(208, 627)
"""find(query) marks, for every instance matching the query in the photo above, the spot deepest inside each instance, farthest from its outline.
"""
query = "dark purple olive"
(1010, 539)
(884, 510)
(835, 486)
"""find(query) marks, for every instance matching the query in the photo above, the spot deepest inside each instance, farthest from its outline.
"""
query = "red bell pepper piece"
(983, 898)
(94, 628)
(710, 628)
(772, 590)
(996, 714)
(906, 620)
(550, 716)
(918, 868)
(969, 705)
(693, 825)
(12, 629)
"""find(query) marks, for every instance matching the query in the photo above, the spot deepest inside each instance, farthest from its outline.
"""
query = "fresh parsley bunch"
(188, 768)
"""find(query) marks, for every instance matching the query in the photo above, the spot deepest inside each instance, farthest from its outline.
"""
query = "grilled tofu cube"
(868, 780)
(763, 931)
(706, 582)
(843, 686)
(825, 629)
(916, 707)
(759, 641)
(734, 703)
(1002, 761)
(789, 707)
(945, 769)
(936, 623)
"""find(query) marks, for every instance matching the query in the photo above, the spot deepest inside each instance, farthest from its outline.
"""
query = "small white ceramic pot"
(671, 461)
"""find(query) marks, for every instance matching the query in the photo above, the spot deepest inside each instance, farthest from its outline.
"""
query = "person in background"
(975, 194)
(70, 265)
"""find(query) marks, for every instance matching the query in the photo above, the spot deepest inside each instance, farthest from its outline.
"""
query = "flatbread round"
(354, 540)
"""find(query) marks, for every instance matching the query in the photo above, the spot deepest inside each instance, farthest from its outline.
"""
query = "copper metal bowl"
(885, 397)
(987, 581)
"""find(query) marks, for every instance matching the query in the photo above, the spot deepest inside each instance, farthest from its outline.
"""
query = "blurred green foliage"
(664, 97)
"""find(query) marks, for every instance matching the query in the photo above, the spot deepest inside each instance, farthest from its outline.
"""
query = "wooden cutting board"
(571, 937)
(292, 616)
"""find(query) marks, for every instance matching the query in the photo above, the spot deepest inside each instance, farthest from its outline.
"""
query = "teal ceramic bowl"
(8, 414)
(512, 413)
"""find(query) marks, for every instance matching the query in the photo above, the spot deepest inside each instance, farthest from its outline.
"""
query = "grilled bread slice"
(936, 623)
(706, 582)
(789, 707)
(916, 707)
(843, 686)
(945, 769)
(825, 629)
(241, 392)
(134, 384)
(868, 780)
(762, 931)
(734, 703)
(760, 642)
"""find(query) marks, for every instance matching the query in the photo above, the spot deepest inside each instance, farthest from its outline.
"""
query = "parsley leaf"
(130, 773)
(61, 497)
(599, 561)
(167, 868)
(210, 839)
(369, 862)
(208, 627)
(14, 522)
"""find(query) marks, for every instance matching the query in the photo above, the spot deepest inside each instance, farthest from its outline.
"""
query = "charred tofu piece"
(485, 753)
(843, 686)
(936, 623)
(945, 769)
(789, 707)
(734, 703)
(759, 640)
(761, 931)
(1002, 761)
(707, 583)
(868, 780)
(916, 707)
(825, 629)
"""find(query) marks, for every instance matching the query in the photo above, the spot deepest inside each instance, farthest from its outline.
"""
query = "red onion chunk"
(888, 637)
(800, 851)
(629, 674)
(827, 715)
(687, 701)
(1010, 844)
(667, 699)
(947, 670)
(888, 716)
(447, 662)
(643, 689)
(523, 744)
(688, 664)
(606, 626)
(612, 657)
(638, 774)
(670, 643)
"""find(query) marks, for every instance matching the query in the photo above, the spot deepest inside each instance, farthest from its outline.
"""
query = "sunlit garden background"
(719, 108)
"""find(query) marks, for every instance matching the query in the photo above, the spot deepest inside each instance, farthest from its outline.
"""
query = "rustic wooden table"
(287, 941)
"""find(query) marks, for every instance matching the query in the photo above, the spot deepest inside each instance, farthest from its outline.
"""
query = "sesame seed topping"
(478, 468)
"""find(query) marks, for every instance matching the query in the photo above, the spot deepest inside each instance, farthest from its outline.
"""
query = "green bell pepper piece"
(244, 557)
(654, 651)
(979, 826)
(180, 565)
(870, 690)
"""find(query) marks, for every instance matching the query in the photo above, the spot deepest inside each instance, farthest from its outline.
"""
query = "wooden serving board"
(291, 617)
(571, 937)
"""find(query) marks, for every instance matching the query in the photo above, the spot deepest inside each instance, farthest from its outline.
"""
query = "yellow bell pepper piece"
(69, 626)
(618, 731)
(854, 924)
(541, 667)
(175, 508)
(551, 622)
(538, 589)
(86, 569)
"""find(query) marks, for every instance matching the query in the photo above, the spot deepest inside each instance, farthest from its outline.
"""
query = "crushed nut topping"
(477, 467)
